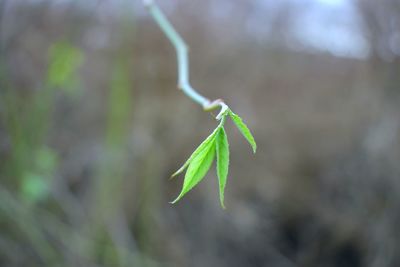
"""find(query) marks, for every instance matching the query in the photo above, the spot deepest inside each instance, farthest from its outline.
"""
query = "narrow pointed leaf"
(198, 150)
(244, 130)
(222, 151)
(198, 167)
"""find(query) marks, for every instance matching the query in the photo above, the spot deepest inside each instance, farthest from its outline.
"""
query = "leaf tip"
(173, 175)
(176, 200)
(178, 171)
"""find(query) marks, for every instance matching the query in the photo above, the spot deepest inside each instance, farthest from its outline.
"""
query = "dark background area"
(92, 126)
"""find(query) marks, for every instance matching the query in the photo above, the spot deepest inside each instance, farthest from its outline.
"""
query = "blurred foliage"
(28, 121)
(35, 184)
(64, 60)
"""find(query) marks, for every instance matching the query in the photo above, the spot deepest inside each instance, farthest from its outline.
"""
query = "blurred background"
(92, 126)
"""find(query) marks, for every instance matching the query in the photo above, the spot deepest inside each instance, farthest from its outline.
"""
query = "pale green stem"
(182, 58)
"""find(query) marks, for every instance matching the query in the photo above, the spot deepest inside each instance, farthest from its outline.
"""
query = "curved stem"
(182, 58)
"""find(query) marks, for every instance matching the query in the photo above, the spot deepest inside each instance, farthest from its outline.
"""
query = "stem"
(182, 58)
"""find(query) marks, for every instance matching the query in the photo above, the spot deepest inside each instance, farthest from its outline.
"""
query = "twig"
(182, 60)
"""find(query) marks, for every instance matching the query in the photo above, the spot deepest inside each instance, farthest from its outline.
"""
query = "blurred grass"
(29, 169)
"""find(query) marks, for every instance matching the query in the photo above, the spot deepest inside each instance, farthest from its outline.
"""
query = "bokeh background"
(92, 126)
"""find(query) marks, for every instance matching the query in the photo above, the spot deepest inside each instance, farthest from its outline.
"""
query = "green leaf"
(198, 150)
(198, 167)
(244, 130)
(222, 149)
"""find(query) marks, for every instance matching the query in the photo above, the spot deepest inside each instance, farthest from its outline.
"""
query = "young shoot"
(216, 144)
